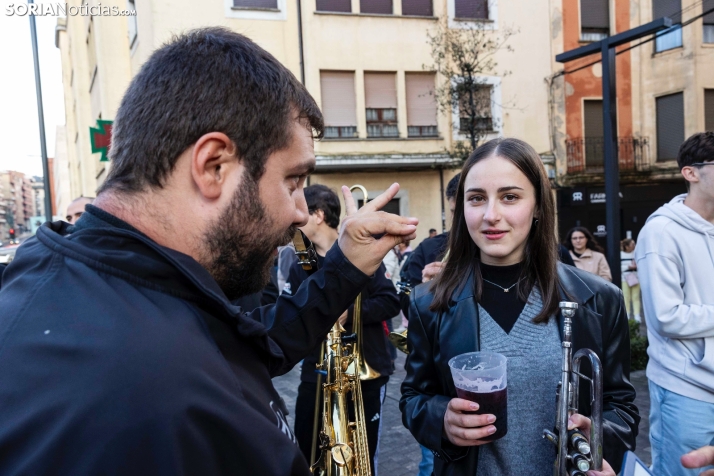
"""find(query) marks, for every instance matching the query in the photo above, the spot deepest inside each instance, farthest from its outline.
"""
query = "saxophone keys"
(342, 454)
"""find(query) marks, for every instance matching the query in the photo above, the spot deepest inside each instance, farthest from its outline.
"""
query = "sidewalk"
(399, 454)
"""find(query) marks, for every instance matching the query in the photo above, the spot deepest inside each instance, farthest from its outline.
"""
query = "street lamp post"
(41, 116)
(606, 48)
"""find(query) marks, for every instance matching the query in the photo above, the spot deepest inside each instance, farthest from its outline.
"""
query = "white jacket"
(676, 271)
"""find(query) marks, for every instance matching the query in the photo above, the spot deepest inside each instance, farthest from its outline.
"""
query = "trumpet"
(576, 454)
(399, 339)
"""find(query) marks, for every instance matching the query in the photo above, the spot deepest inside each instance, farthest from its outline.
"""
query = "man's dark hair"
(207, 80)
(698, 148)
(320, 197)
(432, 230)
(453, 186)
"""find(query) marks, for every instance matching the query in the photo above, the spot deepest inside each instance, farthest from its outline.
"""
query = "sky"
(19, 125)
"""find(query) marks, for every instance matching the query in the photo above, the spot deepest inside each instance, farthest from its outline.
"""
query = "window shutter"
(709, 109)
(256, 3)
(592, 118)
(421, 8)
(670, 125)
(421, 102)
(595, 14)
(376, 6)
(471, 9)
(339, 106)
(380, 90)
(344, 6)
(709, 17)
(667, 8)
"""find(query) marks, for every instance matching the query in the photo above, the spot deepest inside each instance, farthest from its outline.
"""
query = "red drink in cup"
(481, 378)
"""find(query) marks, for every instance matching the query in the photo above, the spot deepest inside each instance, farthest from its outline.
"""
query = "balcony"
(586, 155)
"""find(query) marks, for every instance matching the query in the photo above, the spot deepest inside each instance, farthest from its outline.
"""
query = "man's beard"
(241, 243)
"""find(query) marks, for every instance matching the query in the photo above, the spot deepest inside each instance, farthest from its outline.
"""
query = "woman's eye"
(476, 198)
(510, 198)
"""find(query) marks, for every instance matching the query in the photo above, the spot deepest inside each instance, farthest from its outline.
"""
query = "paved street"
(399, 454)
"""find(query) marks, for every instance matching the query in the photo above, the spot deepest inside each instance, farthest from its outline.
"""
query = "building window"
(256, 4)
(380, 91)
(382, 7)
(594, 20)
(91, 54)
(343, 6)
(339, 107)
(709, 110)
(471, 9)
(670, 125)
(476, 108)
(672, 37)
(419, 8)
(593, 132)
(131, 21)
(708, 22)
(421, 105)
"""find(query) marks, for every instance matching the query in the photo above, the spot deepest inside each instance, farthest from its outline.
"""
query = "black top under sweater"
(504, 307)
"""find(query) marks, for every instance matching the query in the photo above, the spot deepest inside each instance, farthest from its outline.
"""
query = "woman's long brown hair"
(540, 259)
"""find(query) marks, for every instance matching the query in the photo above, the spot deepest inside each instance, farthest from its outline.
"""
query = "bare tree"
(464, 56)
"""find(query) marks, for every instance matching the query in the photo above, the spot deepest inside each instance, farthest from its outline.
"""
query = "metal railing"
(586, 155)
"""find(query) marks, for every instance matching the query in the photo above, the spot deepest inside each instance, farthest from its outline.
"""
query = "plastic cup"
(481, 377)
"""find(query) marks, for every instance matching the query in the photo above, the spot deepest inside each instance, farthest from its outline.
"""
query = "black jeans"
(372, 396)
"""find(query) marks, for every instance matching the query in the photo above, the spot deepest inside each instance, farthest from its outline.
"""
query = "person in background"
(586, 253)
(76, 208)
(379, 303)
(432, 232)
(630, 280)
(675, 260)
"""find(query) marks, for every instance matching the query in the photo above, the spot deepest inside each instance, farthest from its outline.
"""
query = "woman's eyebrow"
(500, 190)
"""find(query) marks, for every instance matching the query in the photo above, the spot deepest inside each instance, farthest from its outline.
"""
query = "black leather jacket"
(600, 324)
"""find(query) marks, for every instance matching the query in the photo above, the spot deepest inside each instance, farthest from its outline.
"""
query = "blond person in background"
(586, 253)
(630, 280)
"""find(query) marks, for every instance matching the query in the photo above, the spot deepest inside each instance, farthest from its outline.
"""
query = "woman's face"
(630, 248)
(499, 208)
(579, 241)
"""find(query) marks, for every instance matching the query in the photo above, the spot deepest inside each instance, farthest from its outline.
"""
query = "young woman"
(630, 281)
(586, 253)
(502, 240)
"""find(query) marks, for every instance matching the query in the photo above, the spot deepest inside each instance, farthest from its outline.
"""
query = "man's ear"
(690, 174)
(213, 159)
(319, 216)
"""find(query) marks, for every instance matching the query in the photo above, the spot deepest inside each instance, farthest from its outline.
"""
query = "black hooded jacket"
(600, 324)
(120, 356)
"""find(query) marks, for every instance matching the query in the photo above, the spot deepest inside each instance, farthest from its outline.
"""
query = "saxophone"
(575, 453)
(342, 440)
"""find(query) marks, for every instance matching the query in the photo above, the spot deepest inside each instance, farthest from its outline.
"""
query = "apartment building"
(665, 93)
(366, 62)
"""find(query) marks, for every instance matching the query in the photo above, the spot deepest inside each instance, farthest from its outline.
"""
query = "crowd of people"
(141, 336)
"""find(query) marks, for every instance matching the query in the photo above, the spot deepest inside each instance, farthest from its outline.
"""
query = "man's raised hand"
(357, 234)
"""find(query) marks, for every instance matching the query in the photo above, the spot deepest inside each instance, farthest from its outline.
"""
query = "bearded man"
(120, 349)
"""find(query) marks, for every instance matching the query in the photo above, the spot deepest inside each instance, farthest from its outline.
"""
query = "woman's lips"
(494, 234)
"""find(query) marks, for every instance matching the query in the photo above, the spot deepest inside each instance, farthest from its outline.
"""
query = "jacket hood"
(110, 245)
(680, 213)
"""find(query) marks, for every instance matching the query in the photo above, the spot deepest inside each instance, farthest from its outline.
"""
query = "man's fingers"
(382, 199)
(577, 420)
(699, 458)
(350, 206)
(471, 436)
(606, 470)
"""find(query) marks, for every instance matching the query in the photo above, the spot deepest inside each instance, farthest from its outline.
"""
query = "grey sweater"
(534, 361)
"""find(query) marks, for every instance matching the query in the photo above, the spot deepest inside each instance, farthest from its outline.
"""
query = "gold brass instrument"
(575, 453)
(399, 339)
(344, 450)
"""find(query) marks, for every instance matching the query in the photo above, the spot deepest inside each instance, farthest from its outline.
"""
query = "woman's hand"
(464, 429)
(583, 423)
(699, 458)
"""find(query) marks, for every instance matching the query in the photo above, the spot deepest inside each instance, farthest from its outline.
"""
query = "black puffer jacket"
(600, 324)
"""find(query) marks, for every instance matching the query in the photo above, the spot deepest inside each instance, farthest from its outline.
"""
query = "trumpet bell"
(399, 340)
